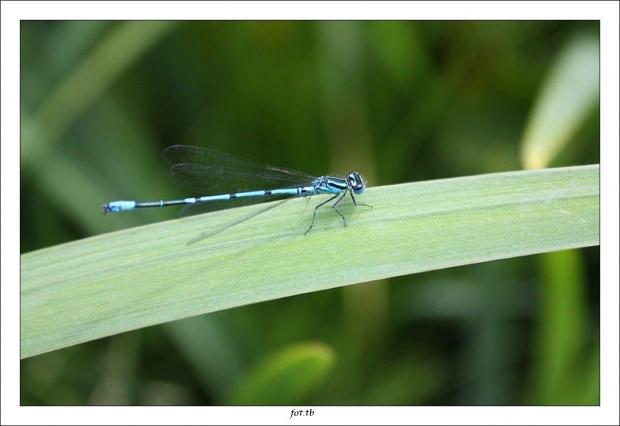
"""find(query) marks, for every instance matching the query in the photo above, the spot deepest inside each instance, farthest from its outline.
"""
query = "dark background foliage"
(401, 101)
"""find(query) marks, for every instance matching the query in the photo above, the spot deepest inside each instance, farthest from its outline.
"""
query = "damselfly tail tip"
(121, 206)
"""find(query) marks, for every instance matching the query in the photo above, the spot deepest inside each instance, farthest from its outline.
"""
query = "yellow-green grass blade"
(569, 94)
(130, 279)
(286, 377)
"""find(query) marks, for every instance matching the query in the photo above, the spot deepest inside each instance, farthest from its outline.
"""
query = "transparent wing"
(210, 172)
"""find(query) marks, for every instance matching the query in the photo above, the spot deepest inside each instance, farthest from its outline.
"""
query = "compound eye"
(356, 182)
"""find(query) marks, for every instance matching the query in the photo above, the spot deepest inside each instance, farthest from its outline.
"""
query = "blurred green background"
(401, 102)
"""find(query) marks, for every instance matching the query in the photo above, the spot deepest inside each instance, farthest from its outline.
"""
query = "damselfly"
(234, 181)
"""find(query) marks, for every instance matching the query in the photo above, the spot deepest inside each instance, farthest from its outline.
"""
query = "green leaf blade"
(143, 276)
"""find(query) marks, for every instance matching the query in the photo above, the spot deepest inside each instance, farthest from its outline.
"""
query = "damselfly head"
(357, 182)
